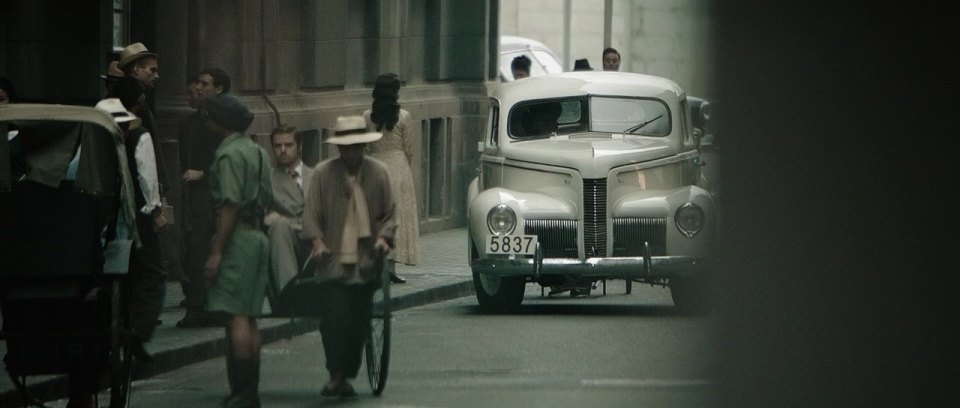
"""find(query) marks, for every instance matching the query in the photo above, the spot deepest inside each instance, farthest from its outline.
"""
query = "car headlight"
(690, 219)
(501, 219)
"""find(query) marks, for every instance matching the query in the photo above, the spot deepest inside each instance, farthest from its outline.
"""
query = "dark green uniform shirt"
(240, 175)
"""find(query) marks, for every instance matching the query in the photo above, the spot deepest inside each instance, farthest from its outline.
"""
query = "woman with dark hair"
(395, 149)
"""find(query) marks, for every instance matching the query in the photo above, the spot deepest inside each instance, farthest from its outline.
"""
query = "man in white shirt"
(147, 275)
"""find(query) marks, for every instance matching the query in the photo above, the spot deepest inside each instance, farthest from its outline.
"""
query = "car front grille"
(595, 217)
(557, 238)
(629, 234)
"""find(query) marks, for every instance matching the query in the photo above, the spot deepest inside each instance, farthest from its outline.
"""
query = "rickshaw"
(61, 279)
(298, 297)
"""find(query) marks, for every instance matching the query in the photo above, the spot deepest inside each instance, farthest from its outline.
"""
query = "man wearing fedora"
(147, 272)
(136, 61)
(350, 220)
(238, 263)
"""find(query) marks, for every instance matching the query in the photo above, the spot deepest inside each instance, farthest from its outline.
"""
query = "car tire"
(689, 295)
(498, 295)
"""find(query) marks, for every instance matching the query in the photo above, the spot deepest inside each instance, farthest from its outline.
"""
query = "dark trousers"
(344, 324)
(195, 252)
(147, 281)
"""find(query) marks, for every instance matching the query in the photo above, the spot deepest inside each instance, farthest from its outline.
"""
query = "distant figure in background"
(395, 149)
(111, 77)
(582, 65)
(520, 67)
(611, 60)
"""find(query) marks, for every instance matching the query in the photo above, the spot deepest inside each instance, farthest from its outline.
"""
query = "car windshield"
(544, 118)
(648, 117)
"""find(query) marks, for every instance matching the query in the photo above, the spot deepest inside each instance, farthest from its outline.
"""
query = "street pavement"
(442, 275)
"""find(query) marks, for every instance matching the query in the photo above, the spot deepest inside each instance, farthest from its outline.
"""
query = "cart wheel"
(120, 354)
(377, 347)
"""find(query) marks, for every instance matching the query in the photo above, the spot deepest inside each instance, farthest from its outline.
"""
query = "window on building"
(436, 150)
(119, 24)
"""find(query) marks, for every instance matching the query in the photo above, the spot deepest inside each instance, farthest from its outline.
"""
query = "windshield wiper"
(641, 125)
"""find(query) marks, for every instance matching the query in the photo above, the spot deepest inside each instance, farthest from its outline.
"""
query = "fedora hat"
(115, 108)
(352, 130)
(132, 53)
(582, 65)
(113, 71)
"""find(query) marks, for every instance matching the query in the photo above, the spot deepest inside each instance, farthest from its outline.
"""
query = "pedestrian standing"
(147, 276)
(197, 149)
(395, 149)
(238, 263)
(350, 220)
(136, 61)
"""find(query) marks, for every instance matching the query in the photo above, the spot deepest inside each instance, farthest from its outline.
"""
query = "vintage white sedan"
(586, 177)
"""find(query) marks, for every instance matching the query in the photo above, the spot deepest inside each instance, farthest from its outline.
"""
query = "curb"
(55, 387)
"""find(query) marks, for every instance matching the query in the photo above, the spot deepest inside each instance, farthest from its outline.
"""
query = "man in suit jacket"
(290, 178)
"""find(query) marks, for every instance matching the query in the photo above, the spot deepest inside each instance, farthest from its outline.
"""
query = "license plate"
(511, 244)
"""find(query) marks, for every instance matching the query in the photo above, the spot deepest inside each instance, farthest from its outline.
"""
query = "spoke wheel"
(121, 369)
(377, 347)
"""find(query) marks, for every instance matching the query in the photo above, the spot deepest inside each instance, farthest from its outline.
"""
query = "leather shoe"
(346, 390)
(397, 278)
(140, 353)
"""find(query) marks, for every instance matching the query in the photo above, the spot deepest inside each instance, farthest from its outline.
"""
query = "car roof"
(514, 43)
(67, 113)
(587, 83)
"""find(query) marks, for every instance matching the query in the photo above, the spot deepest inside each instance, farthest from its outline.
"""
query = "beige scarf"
(356, 226)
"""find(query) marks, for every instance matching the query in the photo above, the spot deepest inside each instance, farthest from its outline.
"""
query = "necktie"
(296, 178)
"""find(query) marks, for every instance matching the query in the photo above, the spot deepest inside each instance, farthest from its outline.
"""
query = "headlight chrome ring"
(690, 219)
(501, 220)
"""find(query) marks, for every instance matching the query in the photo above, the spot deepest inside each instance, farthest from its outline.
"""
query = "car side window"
(494, 124)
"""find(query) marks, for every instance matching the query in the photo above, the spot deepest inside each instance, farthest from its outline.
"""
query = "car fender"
(526, 205)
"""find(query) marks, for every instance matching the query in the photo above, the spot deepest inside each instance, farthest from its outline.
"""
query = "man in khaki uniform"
(238, 263)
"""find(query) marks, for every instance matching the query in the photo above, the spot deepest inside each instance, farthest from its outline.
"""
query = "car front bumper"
(639, 268)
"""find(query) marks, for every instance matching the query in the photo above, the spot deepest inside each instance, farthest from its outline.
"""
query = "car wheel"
(689, 295)
(498, 294)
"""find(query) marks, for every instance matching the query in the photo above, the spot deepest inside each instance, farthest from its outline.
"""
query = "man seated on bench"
(284, 221)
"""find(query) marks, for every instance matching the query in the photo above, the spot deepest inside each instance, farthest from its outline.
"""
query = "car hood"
(592, 156)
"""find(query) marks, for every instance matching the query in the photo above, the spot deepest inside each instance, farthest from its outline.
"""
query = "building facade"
(304, 62)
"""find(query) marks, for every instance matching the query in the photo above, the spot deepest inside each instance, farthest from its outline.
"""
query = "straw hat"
(352, 130)
(115, 108)
(132, 53)
(113, 71)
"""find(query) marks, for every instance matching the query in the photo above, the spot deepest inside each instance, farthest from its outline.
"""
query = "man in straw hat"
(350, 219)
(238, 263)
(136, 61)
